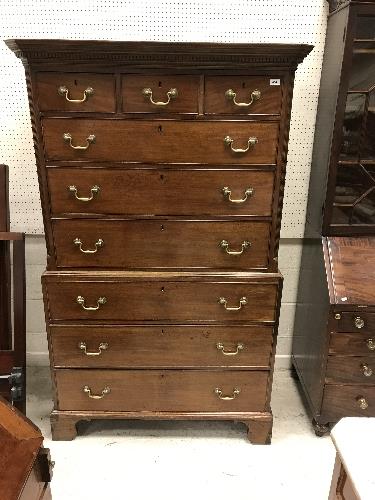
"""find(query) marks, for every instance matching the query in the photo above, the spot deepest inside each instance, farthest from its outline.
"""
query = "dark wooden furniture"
(161, 169)
(12, 330)
(342, 181)
(341, 203)
(25, 466)
(334, 341)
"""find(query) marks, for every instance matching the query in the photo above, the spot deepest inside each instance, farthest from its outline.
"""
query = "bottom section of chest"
(162, 346)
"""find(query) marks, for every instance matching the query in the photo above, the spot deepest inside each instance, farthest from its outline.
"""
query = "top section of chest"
(135, 79)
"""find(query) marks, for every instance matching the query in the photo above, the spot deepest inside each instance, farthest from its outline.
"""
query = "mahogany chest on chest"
(161, 169)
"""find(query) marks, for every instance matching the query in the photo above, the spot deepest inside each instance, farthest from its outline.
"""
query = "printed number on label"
(275, 81)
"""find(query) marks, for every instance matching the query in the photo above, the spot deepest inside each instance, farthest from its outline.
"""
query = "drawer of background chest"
(350, 369)
(160, 93)
(76, 92)
(348, 401)
(208, 142)
(160, 191)
(353, 343)
(242, 95)
(156, 390)
(363, 322)
(143, 244)
(161, 346)
(96, 298)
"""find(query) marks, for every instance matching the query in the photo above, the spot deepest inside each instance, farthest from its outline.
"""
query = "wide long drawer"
(348, 401)
(351, 369)
(158, 390)
(160, 141)
(161, 346)
(160, 297)
(145, 244)
(353, 343)
(160, 191)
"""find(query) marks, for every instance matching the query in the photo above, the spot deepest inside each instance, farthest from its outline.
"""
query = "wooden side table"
(353, 477)
(25, 466)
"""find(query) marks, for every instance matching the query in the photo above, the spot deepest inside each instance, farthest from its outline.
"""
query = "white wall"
(248, 21)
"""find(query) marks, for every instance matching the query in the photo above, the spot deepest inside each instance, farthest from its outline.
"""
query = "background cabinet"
(342, 183)
(334, 329)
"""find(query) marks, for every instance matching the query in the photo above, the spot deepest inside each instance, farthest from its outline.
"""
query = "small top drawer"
(76, 92)
(356, 321)
(160, 94)
(243, 95)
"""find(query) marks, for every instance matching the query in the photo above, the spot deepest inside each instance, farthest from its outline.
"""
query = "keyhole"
(243, 85)
(75, 82)
(159, 84)
(161, 177)
(160, 129)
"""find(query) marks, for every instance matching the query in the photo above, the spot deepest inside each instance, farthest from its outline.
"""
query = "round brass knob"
(370, 344)
(362, 403)
(367, 371)
(359, 322)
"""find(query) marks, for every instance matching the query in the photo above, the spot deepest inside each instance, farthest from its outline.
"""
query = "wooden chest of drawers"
(161, 170)
(334, 334)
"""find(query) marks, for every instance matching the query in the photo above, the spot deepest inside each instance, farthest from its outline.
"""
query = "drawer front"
(348, 401)
(157, 390)
(160, 93)
(160, 191)
(350, 369)
(76, 92)
(356, 343)
(161, 244)
(225, 94)
(159, 141)
(362, 322)
(161, 346)
(161, 301)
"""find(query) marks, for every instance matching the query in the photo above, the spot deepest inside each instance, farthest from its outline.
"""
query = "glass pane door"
(354, 201)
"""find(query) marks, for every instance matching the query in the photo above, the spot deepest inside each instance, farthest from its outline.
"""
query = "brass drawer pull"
(359, 322)
(223, 301)
(227, 193)
(171, 94)
(362, 403)
(94, 190)
(103, 346)
(105, 391)
(99, 302)
(219, 394)
(89, 140)
(220, 347)
(64, 91)
(250, 144)
(370, 344)
(255, 95)
(231, 95)
(98, 244)
(367, 371)
(225, 245)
